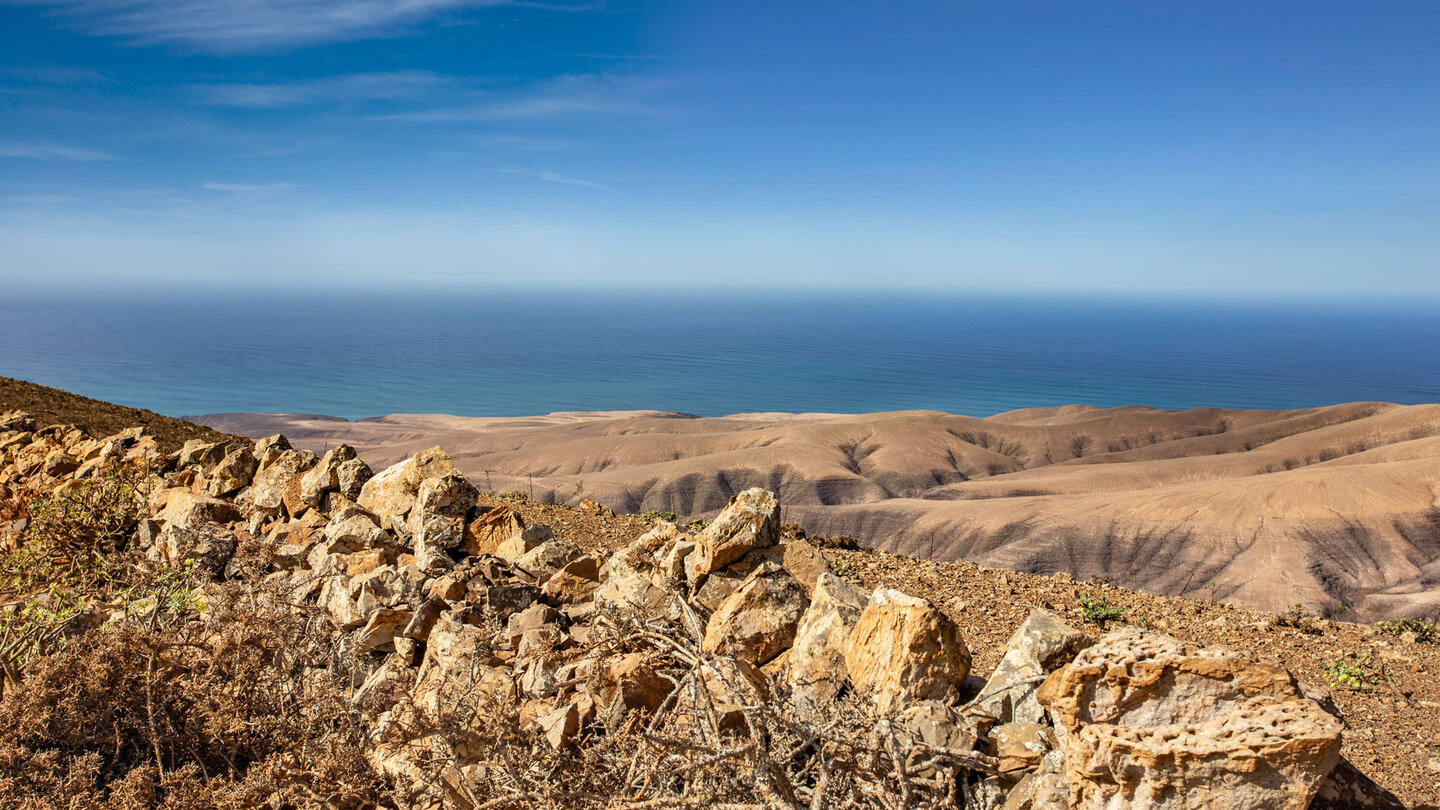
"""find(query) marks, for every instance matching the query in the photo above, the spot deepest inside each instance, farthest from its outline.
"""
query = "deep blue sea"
(514, 353)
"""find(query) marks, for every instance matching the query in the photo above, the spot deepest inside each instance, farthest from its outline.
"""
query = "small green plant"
(1355, 676)
(515, 495)
(845, 571)
(1099, 610)
(660, 514)
(1425, 630)
(696, 525)
(1299, 618)
(579, 492)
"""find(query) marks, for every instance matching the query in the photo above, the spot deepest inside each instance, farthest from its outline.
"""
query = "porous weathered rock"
(751, 520)
(817, 656)
(325, 475)
(235, 470)
(903, 649)
(804, 562)
(757, 622)
(1040, 645)
(1151, 722)
(437, 520)
(276, 487)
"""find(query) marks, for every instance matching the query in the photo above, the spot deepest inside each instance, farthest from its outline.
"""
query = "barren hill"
(1335, 507)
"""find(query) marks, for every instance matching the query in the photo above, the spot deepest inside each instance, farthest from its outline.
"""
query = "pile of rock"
(447, 603)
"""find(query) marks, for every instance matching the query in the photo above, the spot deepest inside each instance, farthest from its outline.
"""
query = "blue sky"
(1217, 148)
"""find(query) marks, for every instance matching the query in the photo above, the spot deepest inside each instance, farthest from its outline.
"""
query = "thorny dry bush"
(127, 685)
(240, 706)
(726, 736)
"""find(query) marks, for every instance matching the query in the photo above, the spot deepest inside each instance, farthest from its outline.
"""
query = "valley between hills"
(1336, 508)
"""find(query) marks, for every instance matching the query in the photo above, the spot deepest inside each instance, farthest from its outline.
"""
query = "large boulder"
(437, 520)
(325, 476)
(235, 470)
(751, 520)
(1150, 722)
(277, 485)
(392, 493)
(486, 532)
(817, 656)
(757, 622)
(1042, 644)
(903, 649)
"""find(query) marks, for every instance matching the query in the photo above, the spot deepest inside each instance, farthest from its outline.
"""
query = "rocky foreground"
(497, 662)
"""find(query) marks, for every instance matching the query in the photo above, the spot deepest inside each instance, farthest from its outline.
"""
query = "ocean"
(502, 353)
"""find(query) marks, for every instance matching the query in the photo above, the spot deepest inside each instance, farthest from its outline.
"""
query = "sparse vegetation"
(1425, 630)
(1356, 675)
(1100, 610)
(1298, 618)
(660, 514)
(696, 525)
(846, 571)
(515, 495)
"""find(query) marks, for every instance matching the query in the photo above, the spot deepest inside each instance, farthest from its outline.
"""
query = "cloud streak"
(248, 186)
(234, 26)
(556, 177)
(589, 95)
(50, 151)
(355, 87)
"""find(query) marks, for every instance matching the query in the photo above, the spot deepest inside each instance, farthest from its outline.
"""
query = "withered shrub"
(242, 706)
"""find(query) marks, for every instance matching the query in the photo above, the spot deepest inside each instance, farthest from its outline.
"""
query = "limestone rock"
(268, 449)
(804, 562)
(546, 559)
(485, 533)
(325, 476)
(573, 583)
(751, 520)
(392, 493)
(1150, 722)
(634, 593)
(187, 510)
(437, 520)
(560, 725)
(817, 657)
(381, 628)
(1041, 644)
(235, 470)
(1020, 746)
(518, 544)
(277, 486)
(758, 621)
(902, 649)
(939, 725)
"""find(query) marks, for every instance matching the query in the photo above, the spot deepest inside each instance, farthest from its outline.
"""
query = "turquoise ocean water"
(513, 353)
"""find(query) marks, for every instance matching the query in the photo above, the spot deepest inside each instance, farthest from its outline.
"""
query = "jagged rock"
(235, 470)
(392, 493)
(1150, 722)
(1043, 789)
(506, 599)
(934, 723)
(350, 477)
(277, 486)
(1020, 746)
(804, 562)
(187, 510)
(537, 615)
(335, 600)
(575, 582)
(424, 619)
(517, 545)
(356, 528)
(269, 449)
(902, 649)
(635, 593)
(546, 559)
(751, 520)
(1040, 645)
(484, 534)
(206, 547)
(202, 454)
(560, 725)
(633, 681)
(325, 476)
(381, 628)
(539, 643)
(817, 656)
(60, 463)
(590, 507)
(758, 621)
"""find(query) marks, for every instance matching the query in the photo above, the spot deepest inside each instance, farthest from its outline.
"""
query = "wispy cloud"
(284, 151)
(556, 177)
(355, 87)
(42, 199)
(230, 26)
(50, 151)
(248, 186)
(563, 97)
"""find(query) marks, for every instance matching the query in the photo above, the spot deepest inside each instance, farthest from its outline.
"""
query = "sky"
(1229, 148)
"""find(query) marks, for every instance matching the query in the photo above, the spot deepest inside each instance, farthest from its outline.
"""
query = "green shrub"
(1099, 610)
(660, 514)
(1425, 630)
(1355, 676)
(515, 495)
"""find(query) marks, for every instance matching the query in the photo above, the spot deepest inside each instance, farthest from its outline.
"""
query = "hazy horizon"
(1229, 150)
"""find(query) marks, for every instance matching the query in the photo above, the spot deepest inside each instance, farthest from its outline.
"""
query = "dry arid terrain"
(1380, 678)
(1336, 508)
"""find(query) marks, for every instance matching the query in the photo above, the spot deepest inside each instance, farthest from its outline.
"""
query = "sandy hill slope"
(1335, 507)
